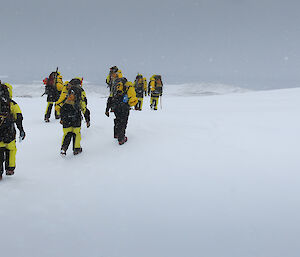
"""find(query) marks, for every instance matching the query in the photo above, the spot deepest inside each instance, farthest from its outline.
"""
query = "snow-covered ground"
(211, 176)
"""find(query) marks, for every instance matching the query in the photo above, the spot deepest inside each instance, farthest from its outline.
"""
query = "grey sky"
(245, 42)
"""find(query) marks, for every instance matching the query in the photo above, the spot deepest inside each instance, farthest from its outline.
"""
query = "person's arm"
(18, 117)
(108, 106)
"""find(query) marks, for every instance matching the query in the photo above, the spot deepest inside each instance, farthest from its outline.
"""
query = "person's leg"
(123, 120)
(68, 134)
(48, 111)
(115, 128)
(12, 150)
(155, 103)
(57, 116)
(141, 103)
(2, 150)
(6, 158)
(77, 146)
(116, 123)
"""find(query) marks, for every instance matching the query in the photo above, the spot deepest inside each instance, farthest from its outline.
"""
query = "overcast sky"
(251, 43)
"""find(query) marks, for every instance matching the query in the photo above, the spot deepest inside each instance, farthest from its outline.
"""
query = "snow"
(213, 175)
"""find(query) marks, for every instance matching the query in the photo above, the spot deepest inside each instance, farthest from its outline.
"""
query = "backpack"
(5, 112)
(74, 94)
(71, 107)
(50, 87)
(139, 89)
(158, 84)
(118, 87)
(4, 97)
(51, 81)
(139, 84)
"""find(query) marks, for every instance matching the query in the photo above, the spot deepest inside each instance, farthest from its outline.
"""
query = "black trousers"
(4, 159)
(122, 113)
(48, 111)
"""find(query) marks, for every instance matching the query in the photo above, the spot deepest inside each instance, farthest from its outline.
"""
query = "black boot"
(77, 151)
(46, 119)
(10, 172)
(123, 141)
(63, 152)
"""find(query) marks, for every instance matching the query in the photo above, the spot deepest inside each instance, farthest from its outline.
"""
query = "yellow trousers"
(12, 150)
(154, 102)
(139, 105)
(75, 131)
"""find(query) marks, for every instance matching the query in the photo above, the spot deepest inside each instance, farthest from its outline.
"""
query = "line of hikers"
(70, 106)
(154, 88)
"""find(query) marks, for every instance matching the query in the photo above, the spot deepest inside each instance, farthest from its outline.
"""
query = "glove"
(22, 134)
(88, 124)
(61, 122)
(107, 113)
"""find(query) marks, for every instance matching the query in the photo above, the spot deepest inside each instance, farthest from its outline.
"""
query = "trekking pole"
(55, 80)
(160, 102)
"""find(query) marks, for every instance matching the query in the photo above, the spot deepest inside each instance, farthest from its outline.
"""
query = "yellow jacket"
(59, 83)
(15, 109)
(62, 97)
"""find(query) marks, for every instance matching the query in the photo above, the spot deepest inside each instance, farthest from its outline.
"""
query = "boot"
(10, 172)
(77, 151)
(46, 119)
(123, 141)
(63, 152)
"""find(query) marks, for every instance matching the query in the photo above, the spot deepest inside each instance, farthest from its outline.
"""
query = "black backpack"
(116, 91)
(139, 87)
(5, 113)
(52, 79)
(74, 96)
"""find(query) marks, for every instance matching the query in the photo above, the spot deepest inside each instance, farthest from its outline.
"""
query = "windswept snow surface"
(211, 176)
(36, 89)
